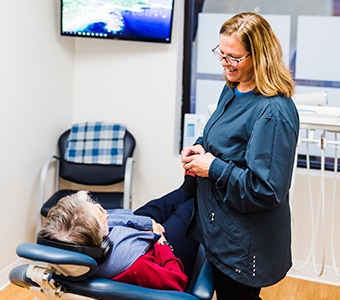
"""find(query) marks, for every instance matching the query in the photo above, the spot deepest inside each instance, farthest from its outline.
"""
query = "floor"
(295, 289)
(287, 289)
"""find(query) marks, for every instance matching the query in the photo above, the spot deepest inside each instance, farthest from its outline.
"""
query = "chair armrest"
(204, 286)
(101, 288)
(201, 283)
(42, 185)
(128, 183)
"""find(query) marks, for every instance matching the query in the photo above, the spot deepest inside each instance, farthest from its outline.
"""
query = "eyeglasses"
(230, 60)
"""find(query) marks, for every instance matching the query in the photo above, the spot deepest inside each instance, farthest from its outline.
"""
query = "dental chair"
(64, 274)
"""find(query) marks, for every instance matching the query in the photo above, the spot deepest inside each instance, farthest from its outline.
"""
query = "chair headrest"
(98, 253)
(73, 265)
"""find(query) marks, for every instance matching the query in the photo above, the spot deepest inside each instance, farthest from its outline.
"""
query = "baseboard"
(311, 273)
(4, 273)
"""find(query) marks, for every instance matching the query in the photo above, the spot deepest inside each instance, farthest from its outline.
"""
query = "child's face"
(102, 215)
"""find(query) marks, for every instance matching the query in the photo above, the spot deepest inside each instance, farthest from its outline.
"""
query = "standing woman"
(244, 162)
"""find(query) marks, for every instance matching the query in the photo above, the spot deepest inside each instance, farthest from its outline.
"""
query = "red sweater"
(157, 269)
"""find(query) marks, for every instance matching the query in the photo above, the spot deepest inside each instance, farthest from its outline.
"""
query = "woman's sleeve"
(199, 141)
(157, 269)
(265, 181)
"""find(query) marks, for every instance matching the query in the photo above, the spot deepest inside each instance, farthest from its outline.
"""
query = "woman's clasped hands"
(196, 160)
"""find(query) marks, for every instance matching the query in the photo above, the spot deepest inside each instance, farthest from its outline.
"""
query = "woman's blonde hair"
(271, 75)
(70, 221)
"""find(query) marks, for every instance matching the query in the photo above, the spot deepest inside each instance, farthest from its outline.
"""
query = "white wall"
(47, 82)
(36, 90)
(138, 84)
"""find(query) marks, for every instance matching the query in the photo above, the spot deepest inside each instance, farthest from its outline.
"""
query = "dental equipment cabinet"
(319, 137)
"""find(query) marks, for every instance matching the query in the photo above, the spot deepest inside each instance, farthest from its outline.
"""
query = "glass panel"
(292, 8)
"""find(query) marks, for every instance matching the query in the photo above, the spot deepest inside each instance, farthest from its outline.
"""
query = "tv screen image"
(148, 20)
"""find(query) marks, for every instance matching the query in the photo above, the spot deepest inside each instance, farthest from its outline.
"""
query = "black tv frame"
(133, 32)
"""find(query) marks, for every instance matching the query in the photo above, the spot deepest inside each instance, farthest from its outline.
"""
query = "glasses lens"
(231, 61)
(218, 55)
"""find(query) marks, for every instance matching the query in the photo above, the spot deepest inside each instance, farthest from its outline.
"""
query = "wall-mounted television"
(135, 20)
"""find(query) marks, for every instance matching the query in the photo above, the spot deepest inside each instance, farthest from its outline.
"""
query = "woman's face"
(102, 216)
(244, 72)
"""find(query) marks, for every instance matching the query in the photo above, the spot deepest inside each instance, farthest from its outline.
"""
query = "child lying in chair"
(139, 251)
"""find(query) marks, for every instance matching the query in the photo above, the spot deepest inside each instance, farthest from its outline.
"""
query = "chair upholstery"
(88, 174)
(49, 261)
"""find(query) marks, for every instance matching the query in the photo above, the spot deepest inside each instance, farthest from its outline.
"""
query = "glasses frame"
(229, 59)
